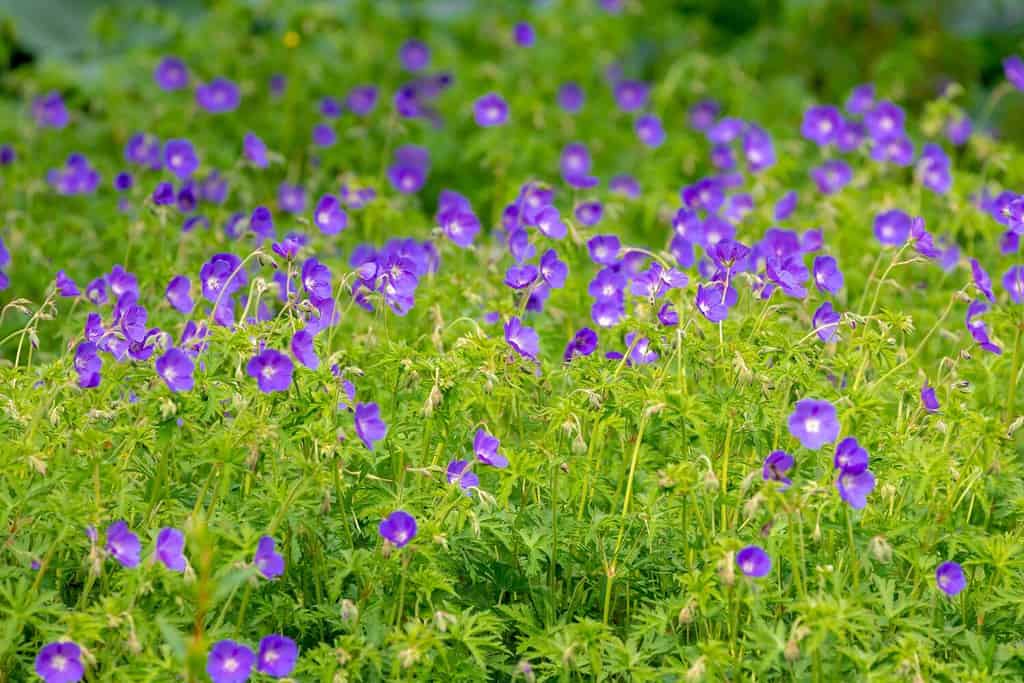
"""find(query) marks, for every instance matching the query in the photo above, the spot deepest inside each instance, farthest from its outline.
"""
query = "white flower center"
(268, 371)
(748, 567)
(323, 217)
(271, 656)
(812, 425)
(59, 662)
(230, 664)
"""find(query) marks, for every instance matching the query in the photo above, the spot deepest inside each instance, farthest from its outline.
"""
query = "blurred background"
(913, 46)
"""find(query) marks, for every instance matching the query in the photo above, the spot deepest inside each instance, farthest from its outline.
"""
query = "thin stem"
(1011, 397)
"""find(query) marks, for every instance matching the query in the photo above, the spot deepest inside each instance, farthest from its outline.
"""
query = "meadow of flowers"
(343, 345)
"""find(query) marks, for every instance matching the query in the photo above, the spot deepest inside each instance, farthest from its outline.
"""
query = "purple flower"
(711, 302)
(885, 121)
(753, 562)
(977, 327)
(604, 249)
(640, 350)
(649, 130)
(570, 97)
(171, 74)
(827, 276)
(369, 425)
(552, 269)
(899, 151)
(814, 423)
(460, 225)
(254, 150)
(176, 368)
(291, 198)
(178, 294)
(272, 370)
(219, 96)
(302, 349)
(409, 171)
(1013, 67)
(49, 110)
(775, 467)
(88, 364)
(60, 663)
(1013, 282)
(758, 149)
(550, 223)
(982, 280)
(485, 447)
(850, 456)
(170, 543)
(277, 655)
(959, 130)
(229, 662)
(398, 528)
(934, 168)
(892, 227)
(928, 399)
(826, 322)
(707, 194)
(921, 239)
(122, 544)
(7, 155)
(123, 181)
(786, 205)
(361, 99)
(163, 193)
(522, 339)
(222, 276)
(414, 55)
(524, 34)
(855, 487)
(703, 114)
(608, 312)
(832, 176)
(324, 135)
(789, 273)
(625, 185)
(458, 472)
(180, 158)
(490, 110)
(66, 287)
(329, 216)
(583, 343)
(850, 136)
(949, 576)
(631, 95)
(520, 277)
(266, 559)
(861, 99)
(589, 213)
(821, 123)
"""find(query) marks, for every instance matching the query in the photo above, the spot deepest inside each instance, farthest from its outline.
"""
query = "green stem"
(1011, 397)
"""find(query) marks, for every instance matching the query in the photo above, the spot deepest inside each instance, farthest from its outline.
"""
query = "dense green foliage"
(606, 550)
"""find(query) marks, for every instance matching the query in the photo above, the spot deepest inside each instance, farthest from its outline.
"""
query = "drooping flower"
(122, 544)
(369, 426)
(266, 559)
(977, 327)
(302, 349)
(814, 423)
(170, 544)
(490, 110)
(66, 287)
(277, 655)
(272, 370)
(928, 398)
(583, 343)
(398, 528)
(458, 472)
(921, 239)
(949, 576)
(229, 662)
(855, 487)
(1013, 282)
(178, 294)
(485, 447)
(754, 562)
(982, 280)
(786, 205)
(219, 96)
(775, 467)
(176, 368)
(826, 322)
(60, 662)
(522, 339)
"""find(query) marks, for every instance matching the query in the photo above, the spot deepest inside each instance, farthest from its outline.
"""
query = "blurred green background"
(911, 48)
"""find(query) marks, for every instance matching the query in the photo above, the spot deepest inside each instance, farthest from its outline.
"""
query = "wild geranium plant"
(340, 346)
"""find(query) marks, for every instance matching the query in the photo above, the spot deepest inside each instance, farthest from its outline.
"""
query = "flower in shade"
(959, 130)
(649, 130)
(1013, 67)
(123, 181)
(775, 467)
(485, 447)
(753, 561)
(7, 155)
(255, 150)
(1013, 282)
(414, 55)
(826, 322)
(122, 544)
(361, 99)
(928, 399)
(832, 176)
(458, 471)
(369, 425)
(329, 216)
(60, 663)
(570, 97)
(982, 280)
(821, 124)
(892, 227)
(827, 276)
(272, 370)
(524, 34)
(49, 110)
(398, 528)
(229, 662)
(65, 285)
(949, 576)
(277, 655)
(814, 423)
(850, 456)
(163, 193)
(490, 110)
(302, 349)
(631, 95)
(170, 544)
(219, 96)
(176, 368)
(171, 74)
(855, 487)
(583, 343)
(180, 158)
(522, 339)
(266, 559)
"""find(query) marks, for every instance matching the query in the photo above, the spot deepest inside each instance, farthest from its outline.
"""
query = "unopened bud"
(349, 610)
(880, 549)
(727, 569)
(696, 672)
